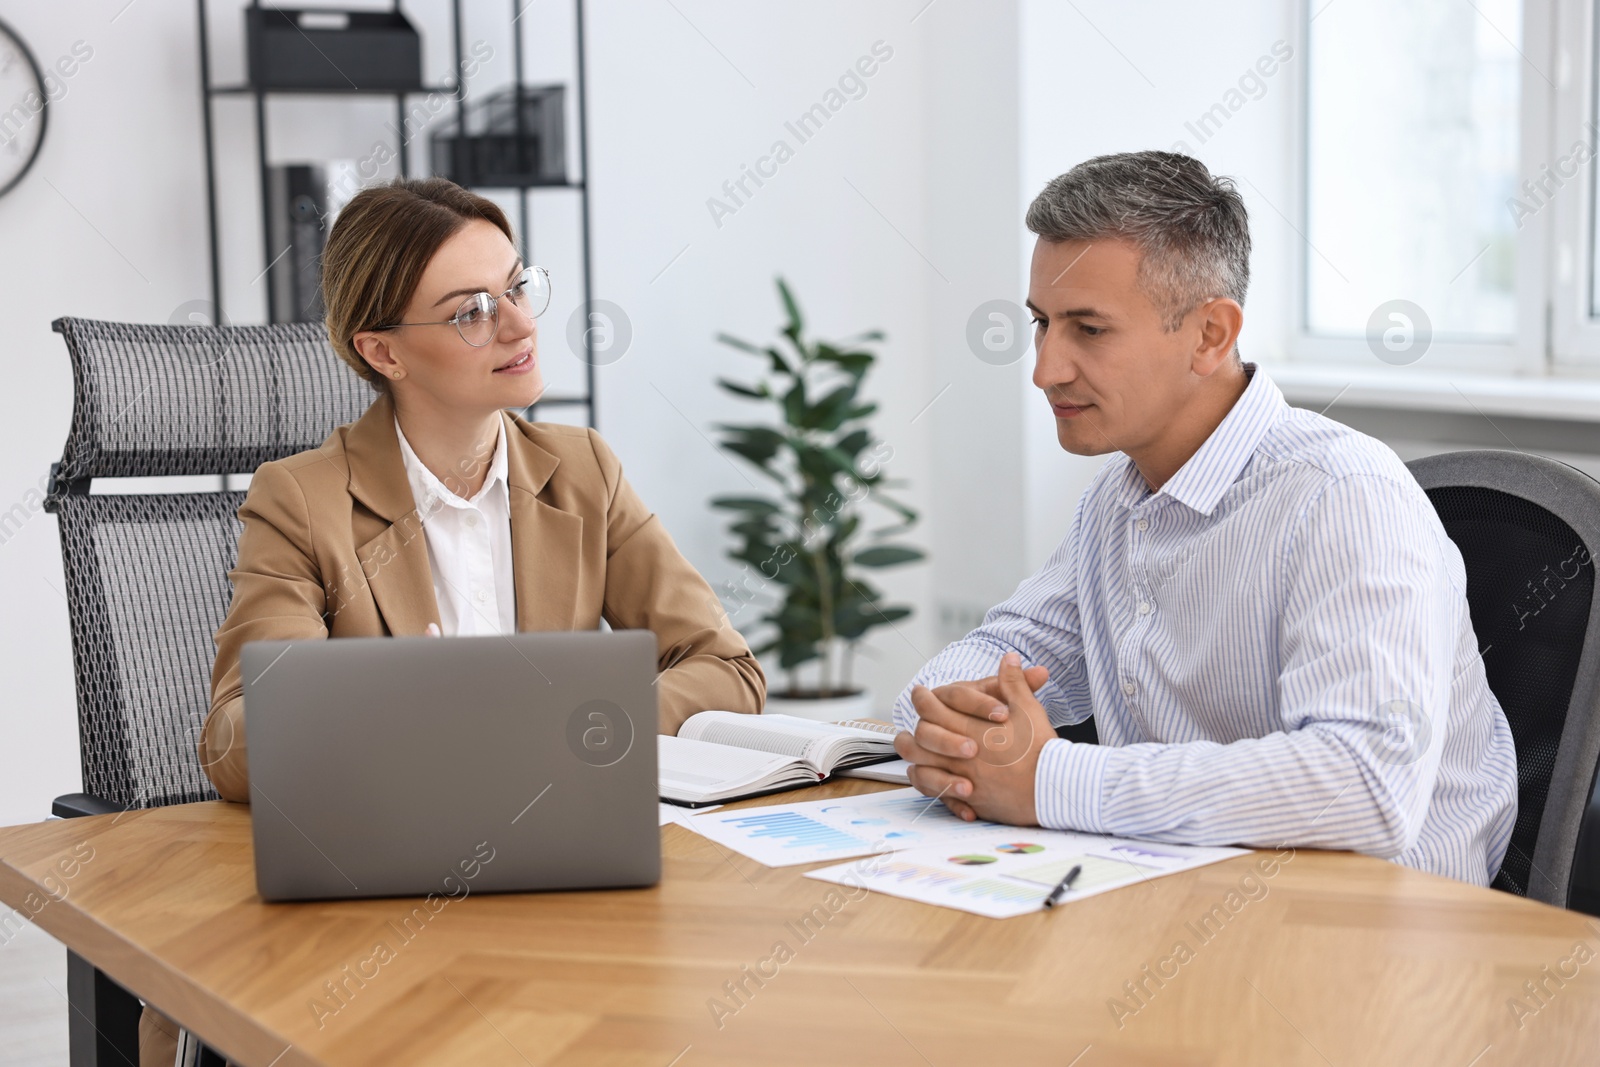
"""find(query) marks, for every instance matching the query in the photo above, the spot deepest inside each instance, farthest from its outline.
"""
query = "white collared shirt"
(1276, 649)
(469, 545)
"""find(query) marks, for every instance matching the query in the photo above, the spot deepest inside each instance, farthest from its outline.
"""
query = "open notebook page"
(698, 770)
(786, 734)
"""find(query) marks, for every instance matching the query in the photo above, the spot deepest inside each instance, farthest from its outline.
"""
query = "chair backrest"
(147, 575)
(1528, 529)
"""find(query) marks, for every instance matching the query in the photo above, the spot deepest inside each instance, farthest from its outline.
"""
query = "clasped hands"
(976, 745)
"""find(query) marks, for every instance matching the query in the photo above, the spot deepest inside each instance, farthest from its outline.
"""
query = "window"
(1419, 119)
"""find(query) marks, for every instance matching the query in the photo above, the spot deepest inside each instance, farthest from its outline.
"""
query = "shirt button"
(472, 518)
(483, 595)
(1142, 525)
(1144, 607)
(1127, 687)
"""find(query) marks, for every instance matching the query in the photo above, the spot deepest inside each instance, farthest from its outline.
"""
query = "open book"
(722, 755)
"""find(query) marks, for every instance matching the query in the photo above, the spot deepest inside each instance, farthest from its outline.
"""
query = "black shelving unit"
(260, 95)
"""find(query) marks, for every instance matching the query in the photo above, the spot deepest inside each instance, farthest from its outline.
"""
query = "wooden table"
(1332, 959)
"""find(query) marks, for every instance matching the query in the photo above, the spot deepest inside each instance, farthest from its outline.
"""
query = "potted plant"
(806, 545)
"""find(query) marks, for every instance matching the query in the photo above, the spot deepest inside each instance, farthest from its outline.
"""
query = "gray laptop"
(406, 766)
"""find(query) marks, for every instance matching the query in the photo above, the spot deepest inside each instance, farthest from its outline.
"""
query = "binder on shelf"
(297, 197)
(485, 147)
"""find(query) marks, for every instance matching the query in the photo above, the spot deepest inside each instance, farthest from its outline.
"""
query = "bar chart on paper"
(916, 874)
(786, 834)
(996, 890)
(1010, 872)
(785, 829)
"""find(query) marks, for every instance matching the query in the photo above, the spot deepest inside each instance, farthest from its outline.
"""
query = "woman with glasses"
(439, 512)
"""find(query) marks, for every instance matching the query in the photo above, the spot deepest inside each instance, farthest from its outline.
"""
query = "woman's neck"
(456, 449)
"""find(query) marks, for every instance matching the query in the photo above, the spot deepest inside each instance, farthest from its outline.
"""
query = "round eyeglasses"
(477, 320)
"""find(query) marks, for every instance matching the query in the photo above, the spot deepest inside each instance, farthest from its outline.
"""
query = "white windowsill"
(1313, 385)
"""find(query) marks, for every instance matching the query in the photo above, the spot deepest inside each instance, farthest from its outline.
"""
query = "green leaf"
(758, 392)
(853, 622)
(755, 555)
(846, 529)
(795, 572)
(852, 443)
(886, 556)
(764, 436)
(796, 323)
(829, 412)
(745, 503)
(796, 615)
(860, 411)
(754, 453)
(821, 464)
(842, 460)
(794, 403)
(779, 364)
(859, 590)
(894, 505)
(794, 654)
(856, 364)
(755, 530)
(743, 346)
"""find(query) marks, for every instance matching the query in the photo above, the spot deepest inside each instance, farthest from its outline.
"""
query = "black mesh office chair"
(147, 575)
(1528, 529)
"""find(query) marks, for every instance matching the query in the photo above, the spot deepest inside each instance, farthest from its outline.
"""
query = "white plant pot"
(856, 705)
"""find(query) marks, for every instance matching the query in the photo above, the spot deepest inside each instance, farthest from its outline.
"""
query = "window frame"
(1526, 352)
(1574, 329)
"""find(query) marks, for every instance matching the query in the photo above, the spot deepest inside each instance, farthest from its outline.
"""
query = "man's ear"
(1221, 319)
(373, 346)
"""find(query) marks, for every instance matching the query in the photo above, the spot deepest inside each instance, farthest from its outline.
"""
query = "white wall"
(110, 224)
(1097, 79)
(975, 220)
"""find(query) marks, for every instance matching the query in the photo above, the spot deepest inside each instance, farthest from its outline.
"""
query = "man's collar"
(1216, 465)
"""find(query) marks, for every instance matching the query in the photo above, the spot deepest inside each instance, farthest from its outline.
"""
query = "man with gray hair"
(1258, 605)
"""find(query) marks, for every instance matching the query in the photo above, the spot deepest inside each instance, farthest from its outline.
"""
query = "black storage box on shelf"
(341, 51)
(485, 148)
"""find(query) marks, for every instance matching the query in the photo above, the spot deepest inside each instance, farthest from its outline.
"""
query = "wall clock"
(24, 109)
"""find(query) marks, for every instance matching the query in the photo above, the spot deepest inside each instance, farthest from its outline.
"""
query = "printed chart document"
(1007, 871)
(781, 835)
(721, 755)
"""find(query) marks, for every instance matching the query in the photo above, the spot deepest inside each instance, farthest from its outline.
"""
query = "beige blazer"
(333, 546)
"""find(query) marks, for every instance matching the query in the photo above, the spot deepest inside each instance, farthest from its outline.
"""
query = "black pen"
(1063, 885)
